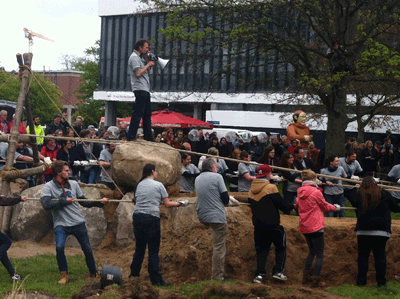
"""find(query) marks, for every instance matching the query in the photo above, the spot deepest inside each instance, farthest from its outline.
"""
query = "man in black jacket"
(266, 201)
(55, 125)
(302, 163)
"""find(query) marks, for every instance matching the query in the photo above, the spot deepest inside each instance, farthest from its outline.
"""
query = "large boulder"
(31, 222)
(130, 158)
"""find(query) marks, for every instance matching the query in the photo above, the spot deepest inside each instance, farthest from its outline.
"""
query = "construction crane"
(30, 34)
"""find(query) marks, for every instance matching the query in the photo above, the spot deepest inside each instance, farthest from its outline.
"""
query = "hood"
(306, 190)
(260, 188)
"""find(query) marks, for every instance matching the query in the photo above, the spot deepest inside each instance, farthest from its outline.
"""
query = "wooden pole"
(5, 212)
(9, 175)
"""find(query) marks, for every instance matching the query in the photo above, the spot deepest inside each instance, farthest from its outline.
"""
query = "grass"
(369, 292)
(41, 274)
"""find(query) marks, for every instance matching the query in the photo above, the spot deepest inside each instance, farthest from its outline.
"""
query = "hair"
(284, 161)
(244, 154)
(147, 171)
(84, 133)
(235, 152)
(293, 140)
(311, 144)
(257, 141)
(296, 115)
(297, 149)
(308, 175)
(208, 163)
(79, 117)
(122, 135)
(350, 153)
(102, 133)
(330, 159)
(184, 156)
(58, 131)
(63, 142)
(140, 43)
(34, 117)
(387, 139)
(267, 150)
(58, 166)
(367, 142)
(222, 139)
(352, 144)
(69, 130)
(370, 194)
(213, 151)
(214, 138)
(2, 112)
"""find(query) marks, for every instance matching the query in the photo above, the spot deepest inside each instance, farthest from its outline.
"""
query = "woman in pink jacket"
(311, 206)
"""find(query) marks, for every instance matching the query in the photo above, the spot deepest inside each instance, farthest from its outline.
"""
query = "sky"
(74, 25)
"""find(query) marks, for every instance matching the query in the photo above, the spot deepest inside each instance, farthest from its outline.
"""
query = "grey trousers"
(219, 232)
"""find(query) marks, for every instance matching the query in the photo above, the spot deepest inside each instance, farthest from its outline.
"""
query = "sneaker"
(279, 276)
(162, 284)
(259, 278)
(16, 277)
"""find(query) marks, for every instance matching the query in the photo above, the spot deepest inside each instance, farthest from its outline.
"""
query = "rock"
(29, 220)
(130, 158)
(123, 216)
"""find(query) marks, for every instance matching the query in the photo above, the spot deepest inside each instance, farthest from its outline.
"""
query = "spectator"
(5, 124)
(26, 152)
(225, 148)
(78, 125)
(278, 148)
(268, 157)
(313, 153)
(105, 161)
(201, 146)
(50, 150)
(233, 170)
(349, 143)
(64, 120)
(214, 142)
(22, 129)
(189, 173)
(300, 162)
(55, 125)
(386, 158)
(17, 156)
(369, 158)
(158, 138)
(334, 194)
(241, 145)
(70, 133)
(295, 143)
(254, 148)
(286, 144)
(64, 154)
(38, 131)
(293, 181)
(187, 147)
(378, 145)
(246, 173)
(222, 167)
(58, 133)
(92, 132)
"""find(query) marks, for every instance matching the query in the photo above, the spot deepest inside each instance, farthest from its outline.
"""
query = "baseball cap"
(263, 170)
(90, 127)
(56, 115)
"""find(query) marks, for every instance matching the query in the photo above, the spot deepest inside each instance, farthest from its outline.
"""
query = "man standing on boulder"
(211, 198)
(139, 66)
(67, 216)
(266, 201)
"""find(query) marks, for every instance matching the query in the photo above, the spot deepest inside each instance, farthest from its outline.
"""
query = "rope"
(86, 199)
(154, 144)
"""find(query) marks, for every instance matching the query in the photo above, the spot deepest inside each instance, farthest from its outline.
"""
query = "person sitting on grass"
(67, 216)
(5, 242)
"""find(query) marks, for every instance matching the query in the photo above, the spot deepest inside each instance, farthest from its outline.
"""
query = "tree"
(335, 47)
(40, 89)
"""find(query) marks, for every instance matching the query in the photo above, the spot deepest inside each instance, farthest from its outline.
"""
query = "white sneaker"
(279, 276)
(258, 279)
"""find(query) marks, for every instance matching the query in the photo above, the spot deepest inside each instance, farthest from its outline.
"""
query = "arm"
(322, 203)
(9, 201)
(170, 204)
(225, 197)
(49, 204)
(248, 177)
(25, 158)
(104, 164)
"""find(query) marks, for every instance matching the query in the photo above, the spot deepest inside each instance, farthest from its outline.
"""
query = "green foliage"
(40, 90)
(41, 274)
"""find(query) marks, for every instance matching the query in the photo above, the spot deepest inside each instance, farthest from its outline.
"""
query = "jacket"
(311, 206)
(52, 128)
(378, 218)
(309, 164)
(38, 131)
(266, 201)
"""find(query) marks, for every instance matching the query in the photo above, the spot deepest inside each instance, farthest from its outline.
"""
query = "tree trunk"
(361, 131)
(337, 124)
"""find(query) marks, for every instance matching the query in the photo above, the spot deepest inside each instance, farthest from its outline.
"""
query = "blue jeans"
(338, 199)
(5, 244)
(147, 230)
(81, 234)
(142, 110)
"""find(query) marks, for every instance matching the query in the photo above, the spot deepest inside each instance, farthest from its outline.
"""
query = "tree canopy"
(334, 47)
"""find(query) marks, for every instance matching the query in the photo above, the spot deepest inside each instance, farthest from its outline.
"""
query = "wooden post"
(5, 212)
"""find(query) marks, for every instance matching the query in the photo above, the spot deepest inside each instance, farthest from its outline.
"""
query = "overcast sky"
(73, 24)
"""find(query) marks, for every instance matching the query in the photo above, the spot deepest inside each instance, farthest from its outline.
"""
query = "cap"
(90, 127)
(295, 140)
(263, 170)
(378, 143)
(56, 115)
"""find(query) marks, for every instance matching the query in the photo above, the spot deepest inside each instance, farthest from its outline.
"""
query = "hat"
(90, 127)
(295, 140)
(263, 170)
(56, 115)
(378, 143)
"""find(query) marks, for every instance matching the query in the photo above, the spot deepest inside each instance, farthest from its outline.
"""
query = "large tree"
(335, 47)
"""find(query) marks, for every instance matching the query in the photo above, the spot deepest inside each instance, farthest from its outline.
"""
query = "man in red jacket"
(266, 201)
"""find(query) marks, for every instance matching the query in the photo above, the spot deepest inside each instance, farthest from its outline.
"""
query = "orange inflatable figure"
(298, 129)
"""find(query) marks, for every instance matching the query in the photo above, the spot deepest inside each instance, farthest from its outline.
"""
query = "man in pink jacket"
(311, 206)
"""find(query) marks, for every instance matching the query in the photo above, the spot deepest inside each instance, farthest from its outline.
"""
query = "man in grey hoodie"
(67, 216)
